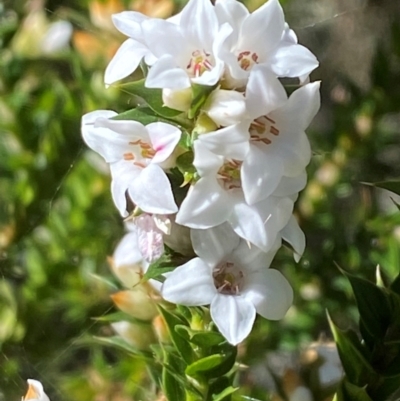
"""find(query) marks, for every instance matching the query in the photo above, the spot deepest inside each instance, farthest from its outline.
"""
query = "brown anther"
(274, 131)
(128, 156)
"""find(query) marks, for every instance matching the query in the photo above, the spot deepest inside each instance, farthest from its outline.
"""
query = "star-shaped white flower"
(136, 154)
(233, 279)
(180, 51)
(218, 197)
(261, 41)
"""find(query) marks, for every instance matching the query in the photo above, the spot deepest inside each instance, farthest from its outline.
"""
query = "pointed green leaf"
(200, 95)
(153, 97)
(118, 342)
(182, 345)
(201, 338)
(225, 394)
(172, 384)
(143, 115)
(350, 392)
(392, 185)
(373, 305)
(213, 366)
(351, 352)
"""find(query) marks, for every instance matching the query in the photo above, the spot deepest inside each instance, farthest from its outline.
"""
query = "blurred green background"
(58, 223)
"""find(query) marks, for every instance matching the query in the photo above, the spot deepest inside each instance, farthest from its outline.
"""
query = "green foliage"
(372, 363)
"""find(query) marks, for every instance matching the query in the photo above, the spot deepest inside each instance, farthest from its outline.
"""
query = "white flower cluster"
(248, 146)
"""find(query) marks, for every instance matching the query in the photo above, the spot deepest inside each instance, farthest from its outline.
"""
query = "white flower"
(217, 197)
(259, 40)
(225, 107)
(271, 145)
(233, 278)
(136, 250)
(35, 392)
(279, 146)
(136, 154)
(180, 51)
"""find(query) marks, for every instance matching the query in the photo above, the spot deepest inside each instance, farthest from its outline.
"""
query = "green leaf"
(201, 338)
(392, 185)
(118, 342)
(218, 386)
(215, 365)
(200, 95)
(351, 352)
(349, 392)
(143, 115)
(185, 162)
(373, 305)
(225, 394)
(395, 286)
(205, 364)
(182, 345)
(118, 317)
(153, 97)
(172, 387)
(158, 268)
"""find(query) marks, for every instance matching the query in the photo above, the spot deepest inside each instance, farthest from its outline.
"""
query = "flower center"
(247, 59)
(262, 129)
(200, 61)
(229, 175)
(228, 278)
(145, 150)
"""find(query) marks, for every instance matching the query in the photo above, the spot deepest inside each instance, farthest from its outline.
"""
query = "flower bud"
(136, 303)
(138, 335)
(179, 238)
(161, 330)
(204, 125)
(226, 107)
(35, 392)
(177, 99)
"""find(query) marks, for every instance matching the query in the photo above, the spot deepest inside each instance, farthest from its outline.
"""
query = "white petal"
(269, 292)
(164, 138)
(151, 191)
(232, 12)
(275, 213)
(296, 152)
(165, 74)
(252, 258)
(234, 316)
(213, 244)
(248, 224)
(191, 284)
(102, 140)
(35, 391)
(123, 173)
(226, 107)
(264, 92)
(128, 23)
(261, 173)
(291, 185)
(129, 128)
(206, 162)
(231, 142)
(262, 30)
(206, 205)
(293, 234)
(150, 238)
(163, 38)
(127, 251)
(199, 24)
(302, 106)
(125, 61)
(293, 60)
